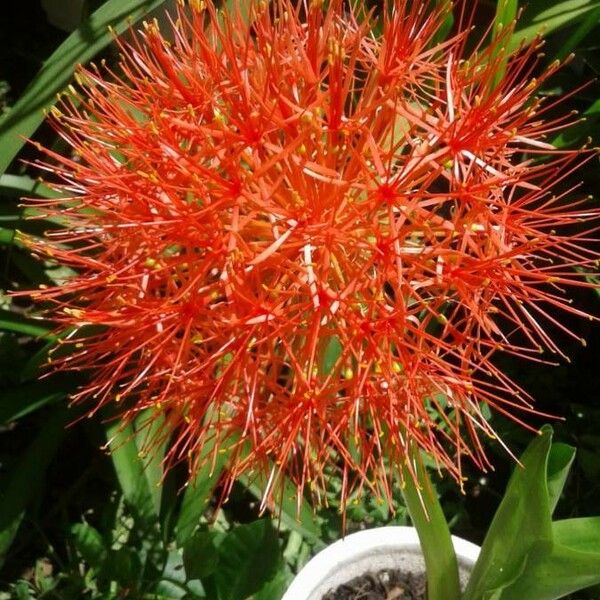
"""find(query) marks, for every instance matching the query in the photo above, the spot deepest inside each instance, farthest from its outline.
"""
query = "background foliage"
(79, 522)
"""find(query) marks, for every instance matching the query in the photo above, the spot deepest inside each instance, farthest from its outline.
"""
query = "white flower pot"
(370, 551)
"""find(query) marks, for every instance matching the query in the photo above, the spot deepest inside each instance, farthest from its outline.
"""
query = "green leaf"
(151, 442)
(89, 544)
(19, 401)
(28, 112)
(200, 556)
(442, 33)
(199, 490)
(543, 560)
(22, 185)
(293, 511)
(249, 556)
(23, 482)
(573, 563)
(579, 131)
(506, 13)
(520, 526)
(11, 321)
(560, 459)
(584, 27)
(275, 588)
(428, 518)
(540, 18)
(129, 467)
(333, 351)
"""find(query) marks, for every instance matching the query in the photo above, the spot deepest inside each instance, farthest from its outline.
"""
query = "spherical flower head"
(302, 238)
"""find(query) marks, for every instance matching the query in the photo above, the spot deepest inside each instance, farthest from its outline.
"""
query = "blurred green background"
(78, 522)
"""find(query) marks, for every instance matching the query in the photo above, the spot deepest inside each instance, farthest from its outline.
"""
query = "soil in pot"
(387, 584)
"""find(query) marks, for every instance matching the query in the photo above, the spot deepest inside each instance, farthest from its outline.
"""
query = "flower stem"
(429, 521)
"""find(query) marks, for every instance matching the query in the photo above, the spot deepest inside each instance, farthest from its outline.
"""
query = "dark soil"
(387, 584)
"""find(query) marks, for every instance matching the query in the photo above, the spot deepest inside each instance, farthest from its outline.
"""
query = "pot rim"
(369, 541)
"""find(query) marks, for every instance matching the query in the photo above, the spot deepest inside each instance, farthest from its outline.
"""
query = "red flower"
(308, 240)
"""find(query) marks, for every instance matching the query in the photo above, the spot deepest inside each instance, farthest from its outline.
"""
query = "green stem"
(429, 521)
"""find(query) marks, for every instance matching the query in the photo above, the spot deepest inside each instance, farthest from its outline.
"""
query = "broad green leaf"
(573, 563)
(129, 467)
(249, 556)
(200, 556)
(275, 588)
(521, 525)
(560, 459)
(199, 489)
(542, 18)
(27, 114)
(545, 560)
(581, 534)
(23, 482)
(89, 544)
(151, 442)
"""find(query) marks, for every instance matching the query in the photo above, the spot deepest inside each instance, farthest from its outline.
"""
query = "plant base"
(370, 551)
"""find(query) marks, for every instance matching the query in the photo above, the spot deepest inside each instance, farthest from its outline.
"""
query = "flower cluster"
(304, 238)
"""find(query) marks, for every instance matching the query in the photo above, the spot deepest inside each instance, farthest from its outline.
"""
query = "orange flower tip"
(583, 342)
(117, 397)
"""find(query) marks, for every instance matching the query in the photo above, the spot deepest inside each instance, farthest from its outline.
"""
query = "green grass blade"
(542, 18)
(21, 185)
(506, 14)
(10, 321)
(577, 133)
(19, 401)
(584, 27)
(81, 46)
